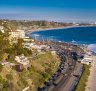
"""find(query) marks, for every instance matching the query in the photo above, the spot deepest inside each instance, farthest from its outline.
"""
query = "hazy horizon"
(52, 10)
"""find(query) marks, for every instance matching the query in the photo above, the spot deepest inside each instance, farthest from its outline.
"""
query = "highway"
(67, 83)
(68, 73)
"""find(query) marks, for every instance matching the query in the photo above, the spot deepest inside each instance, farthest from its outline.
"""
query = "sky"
(52, 10)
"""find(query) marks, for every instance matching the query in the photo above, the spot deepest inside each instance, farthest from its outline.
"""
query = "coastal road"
(67, 83)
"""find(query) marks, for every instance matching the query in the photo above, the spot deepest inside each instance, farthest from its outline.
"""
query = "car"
(54, 77)
(58, 74)
(45, 88)
(70, 64)
(71, 67)
(62, 64)
(59, 71)
(39, 89)
(62, 67)
(47, 84)
(62, 71)
(55, 84)
(75, 75)
(50, 81)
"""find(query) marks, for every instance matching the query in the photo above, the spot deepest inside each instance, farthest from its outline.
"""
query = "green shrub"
(82, 82)
(9, 77)
(1, 67)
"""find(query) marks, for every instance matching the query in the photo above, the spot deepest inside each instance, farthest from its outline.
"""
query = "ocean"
(79, 35)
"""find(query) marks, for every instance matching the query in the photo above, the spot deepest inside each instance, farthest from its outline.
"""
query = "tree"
(20, 41)
(1, 67)
(9, 77)
(2, 82)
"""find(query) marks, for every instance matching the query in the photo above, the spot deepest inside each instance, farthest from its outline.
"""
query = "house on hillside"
(36, 46)
(2, 29)
(22, 60)
(88, 59)
(28, 45)
(19, 67)
(17, 34)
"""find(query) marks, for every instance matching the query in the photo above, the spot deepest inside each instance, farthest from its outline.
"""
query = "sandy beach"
(55, 28)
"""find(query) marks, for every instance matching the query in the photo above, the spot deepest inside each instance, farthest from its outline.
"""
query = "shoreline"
(66, 27)
(28, 34)
(37, 30)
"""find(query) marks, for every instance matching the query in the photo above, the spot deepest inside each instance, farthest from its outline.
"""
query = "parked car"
(39, 89)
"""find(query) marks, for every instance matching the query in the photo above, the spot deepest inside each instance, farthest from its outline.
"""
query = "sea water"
(80, 35)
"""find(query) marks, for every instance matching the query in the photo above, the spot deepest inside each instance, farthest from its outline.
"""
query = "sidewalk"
(91, 84)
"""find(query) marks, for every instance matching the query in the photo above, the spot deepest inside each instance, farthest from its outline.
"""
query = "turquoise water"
(79, 35)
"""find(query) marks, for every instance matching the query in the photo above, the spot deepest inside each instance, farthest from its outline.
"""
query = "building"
(21, 33)
(17, 34)
(19, 68)
(28, 45)
(2, 29)
(27, 39)
(22, 60)
(35, 46)
(88, 59)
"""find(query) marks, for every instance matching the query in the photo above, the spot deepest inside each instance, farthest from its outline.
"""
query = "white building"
(34, 46)
(28, 45)
(22, 60)
(88, 59)
(17, 34)
(27, 39)
(2, 29)
(21, 33)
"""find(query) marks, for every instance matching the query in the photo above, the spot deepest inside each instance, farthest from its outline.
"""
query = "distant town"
(13, 25)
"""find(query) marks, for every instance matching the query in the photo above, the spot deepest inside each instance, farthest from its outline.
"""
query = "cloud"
(92, 47)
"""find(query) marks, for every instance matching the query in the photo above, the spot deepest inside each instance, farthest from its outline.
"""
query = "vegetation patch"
(42, 68)
(82, 82)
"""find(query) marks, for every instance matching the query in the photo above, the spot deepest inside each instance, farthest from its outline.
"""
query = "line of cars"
(77, 76)
(54, 77)
(62, 69)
